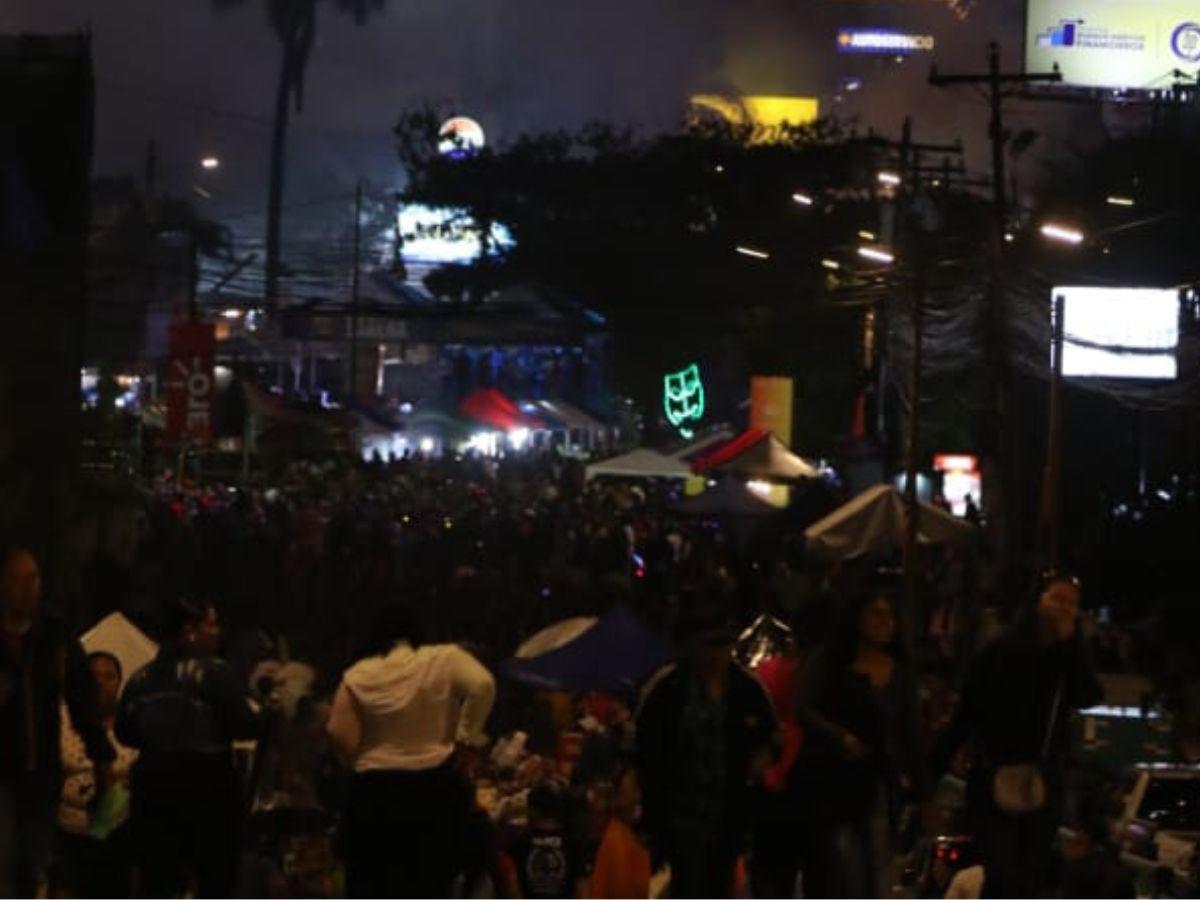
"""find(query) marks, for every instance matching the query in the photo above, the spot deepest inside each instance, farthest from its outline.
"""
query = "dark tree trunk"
(278, 161)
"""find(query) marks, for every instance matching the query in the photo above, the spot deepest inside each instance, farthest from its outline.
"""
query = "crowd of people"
(392, 597)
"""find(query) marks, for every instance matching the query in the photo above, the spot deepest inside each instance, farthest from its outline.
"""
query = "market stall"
(875, 523)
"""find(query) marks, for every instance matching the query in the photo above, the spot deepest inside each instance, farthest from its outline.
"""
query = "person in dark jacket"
(1015, 710)
(183, 712)
(41, 667)
(862, 759)
(705, 733)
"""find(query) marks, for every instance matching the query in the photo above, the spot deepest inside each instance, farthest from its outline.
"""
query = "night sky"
(202, 82)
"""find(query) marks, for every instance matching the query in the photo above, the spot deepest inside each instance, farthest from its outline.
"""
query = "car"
(1160, 821)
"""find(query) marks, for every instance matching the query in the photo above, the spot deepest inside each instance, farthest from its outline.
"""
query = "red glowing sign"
(955, 462)
(189, 382)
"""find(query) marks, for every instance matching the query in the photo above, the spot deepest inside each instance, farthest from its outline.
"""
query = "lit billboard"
(768, 114)
(439, 235)
(882, 40)
(1120, 45)
(1119, 332)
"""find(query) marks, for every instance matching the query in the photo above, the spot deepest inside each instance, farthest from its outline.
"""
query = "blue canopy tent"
(613, 655)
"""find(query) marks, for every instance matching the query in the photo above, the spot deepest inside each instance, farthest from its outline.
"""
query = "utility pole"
(1002, 440)
(354, 296)
(890, 216)
(151, 186)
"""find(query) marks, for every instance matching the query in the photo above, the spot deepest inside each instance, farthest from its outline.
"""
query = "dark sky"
(202, 82)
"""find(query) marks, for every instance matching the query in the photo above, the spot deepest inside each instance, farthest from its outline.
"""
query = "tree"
(645, 231)
(295, 25)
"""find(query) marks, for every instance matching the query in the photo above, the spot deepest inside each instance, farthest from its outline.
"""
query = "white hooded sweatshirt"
(408, 709)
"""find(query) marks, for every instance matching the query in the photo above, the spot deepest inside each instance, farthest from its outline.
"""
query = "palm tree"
(295, 25)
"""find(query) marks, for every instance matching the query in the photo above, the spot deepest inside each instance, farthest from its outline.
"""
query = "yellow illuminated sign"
(767, 113)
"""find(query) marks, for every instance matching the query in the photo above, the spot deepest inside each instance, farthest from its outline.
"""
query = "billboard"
(191, 390)
(442, 234)
(1120, 45)
(766, 113)
(882, 40)
(1119, 332)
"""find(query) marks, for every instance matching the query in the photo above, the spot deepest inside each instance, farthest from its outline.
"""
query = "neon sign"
(882, 40)
(683, 399)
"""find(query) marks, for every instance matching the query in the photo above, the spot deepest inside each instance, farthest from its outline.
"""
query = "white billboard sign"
(1119, 332)
(1119, 44)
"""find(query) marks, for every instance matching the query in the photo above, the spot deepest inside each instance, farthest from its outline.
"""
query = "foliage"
(644, 230)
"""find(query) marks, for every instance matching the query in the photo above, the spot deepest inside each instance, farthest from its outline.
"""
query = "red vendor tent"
(490, 407)
(758, 454)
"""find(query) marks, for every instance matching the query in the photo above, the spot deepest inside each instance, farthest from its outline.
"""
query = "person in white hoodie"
(398, 719)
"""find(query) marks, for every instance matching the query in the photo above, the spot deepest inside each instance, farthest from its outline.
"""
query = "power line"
(180, 104)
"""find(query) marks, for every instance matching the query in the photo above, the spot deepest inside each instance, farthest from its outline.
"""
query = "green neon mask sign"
(683, 399)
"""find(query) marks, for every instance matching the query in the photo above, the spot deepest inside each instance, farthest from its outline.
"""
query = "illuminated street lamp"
(1117, 200)
(888, 179)
(803, 199)
(210, 162)
(876, 254)
(751, 252)
(1062, 233)
(867, 235)
(831, 264)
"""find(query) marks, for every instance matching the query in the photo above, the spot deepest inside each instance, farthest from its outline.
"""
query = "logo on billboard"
(1060, 35)
(877, 40)
(1185, 42)
(1073, 33)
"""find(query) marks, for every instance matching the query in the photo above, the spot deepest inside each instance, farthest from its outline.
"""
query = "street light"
(890, 179)
(803, 199)
(1062, 233)
(1117, 200)
(867, 235)
(751, 252)
(875, 254)
(210, 163)
(831, 264)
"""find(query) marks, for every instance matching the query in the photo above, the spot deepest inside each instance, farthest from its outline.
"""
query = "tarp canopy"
(274, 408)
(758, 454)
(730, 497)
(640, 463)
(874, 523)
(490, 407)
(557, 635)
(705, 441)
(115, 634)
(613, 655)
(561, 414)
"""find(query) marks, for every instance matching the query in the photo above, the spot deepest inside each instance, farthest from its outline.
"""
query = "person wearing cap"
(705, 733)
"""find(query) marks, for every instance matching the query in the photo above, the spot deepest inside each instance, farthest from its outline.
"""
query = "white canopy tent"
(874, 523)
(640, 463)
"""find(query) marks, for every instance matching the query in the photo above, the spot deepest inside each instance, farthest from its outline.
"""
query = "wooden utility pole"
(1001, 440)
(352, 393)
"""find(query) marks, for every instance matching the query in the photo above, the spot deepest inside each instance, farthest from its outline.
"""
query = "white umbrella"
(558, 635)
(874, 523)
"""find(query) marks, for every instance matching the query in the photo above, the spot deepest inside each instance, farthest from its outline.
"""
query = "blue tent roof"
(613, 655)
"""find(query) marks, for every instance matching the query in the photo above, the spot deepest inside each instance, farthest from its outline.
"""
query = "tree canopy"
(646, 230)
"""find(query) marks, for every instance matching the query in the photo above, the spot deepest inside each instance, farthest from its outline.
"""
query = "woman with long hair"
(862, 755)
